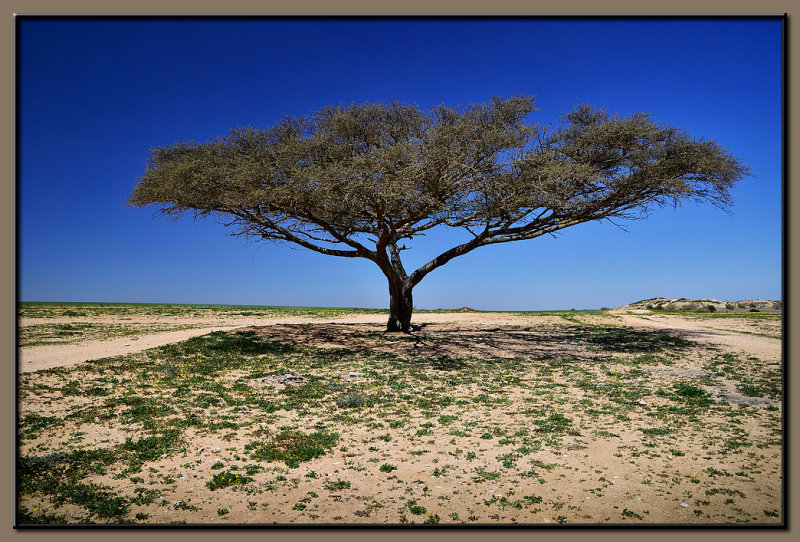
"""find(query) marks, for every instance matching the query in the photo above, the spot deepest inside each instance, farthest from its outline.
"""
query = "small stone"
(128, 344)
(684, 505)
(353, 373)
(669, 457)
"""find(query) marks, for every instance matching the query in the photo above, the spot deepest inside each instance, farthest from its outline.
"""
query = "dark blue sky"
(96, 94)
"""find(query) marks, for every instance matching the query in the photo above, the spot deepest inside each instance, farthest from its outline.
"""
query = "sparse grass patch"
(337, 485)
(293, 447)
(227, 479)
(354, 400)
(692, 395)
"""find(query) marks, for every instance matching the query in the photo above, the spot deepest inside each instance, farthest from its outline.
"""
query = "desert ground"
(226, 415)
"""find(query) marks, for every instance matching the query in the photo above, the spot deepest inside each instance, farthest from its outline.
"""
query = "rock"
(684, 505)
(290, 379)
(353, 373)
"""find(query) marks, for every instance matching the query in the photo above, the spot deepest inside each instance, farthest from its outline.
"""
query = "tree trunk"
(401, 305)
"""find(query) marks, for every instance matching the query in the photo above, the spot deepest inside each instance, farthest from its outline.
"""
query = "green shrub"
(555, 423)
(692, 394)
(353, 400)
(227, 479)
(293, 447)
(338, 485)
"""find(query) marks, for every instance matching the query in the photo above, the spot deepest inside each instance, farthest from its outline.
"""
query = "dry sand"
(596, 479)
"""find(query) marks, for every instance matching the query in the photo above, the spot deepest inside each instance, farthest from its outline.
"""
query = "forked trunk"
(401, 305)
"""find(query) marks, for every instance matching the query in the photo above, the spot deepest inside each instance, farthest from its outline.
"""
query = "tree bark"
(401, 306)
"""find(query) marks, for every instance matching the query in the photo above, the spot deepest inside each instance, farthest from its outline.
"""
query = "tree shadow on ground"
(444, 344)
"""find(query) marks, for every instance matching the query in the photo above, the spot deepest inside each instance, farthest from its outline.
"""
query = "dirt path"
(756, 345)
(46, 357)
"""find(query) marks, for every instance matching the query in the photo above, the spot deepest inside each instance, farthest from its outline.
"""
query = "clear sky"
(96, 94)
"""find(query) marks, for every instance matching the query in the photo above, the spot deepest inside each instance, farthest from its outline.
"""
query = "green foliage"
(693, 395)
(394, 150)
(97, 499)
(555, 423)
(227, 479)
(28, 517)
(482, 475)
(293, 447)
(150, 448)
(35, 422)
(414, 508)
(629, 514)
(338, 485)
(354, 400)
(656, 431)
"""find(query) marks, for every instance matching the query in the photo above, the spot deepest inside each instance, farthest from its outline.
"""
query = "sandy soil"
(738, 337)
(595, 480)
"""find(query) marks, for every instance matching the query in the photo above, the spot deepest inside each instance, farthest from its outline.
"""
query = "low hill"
(669, 304)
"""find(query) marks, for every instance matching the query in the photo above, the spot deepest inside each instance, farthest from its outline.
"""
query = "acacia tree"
(361, 181)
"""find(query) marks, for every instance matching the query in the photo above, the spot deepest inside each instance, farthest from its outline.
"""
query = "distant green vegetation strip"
(35, 309)
(556, 312)
(773, 314)
(94, 309)
(188, 305)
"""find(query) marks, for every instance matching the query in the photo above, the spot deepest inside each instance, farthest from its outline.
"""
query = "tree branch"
(286, 235)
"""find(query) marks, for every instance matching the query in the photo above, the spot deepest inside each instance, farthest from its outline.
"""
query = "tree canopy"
(362, 180)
